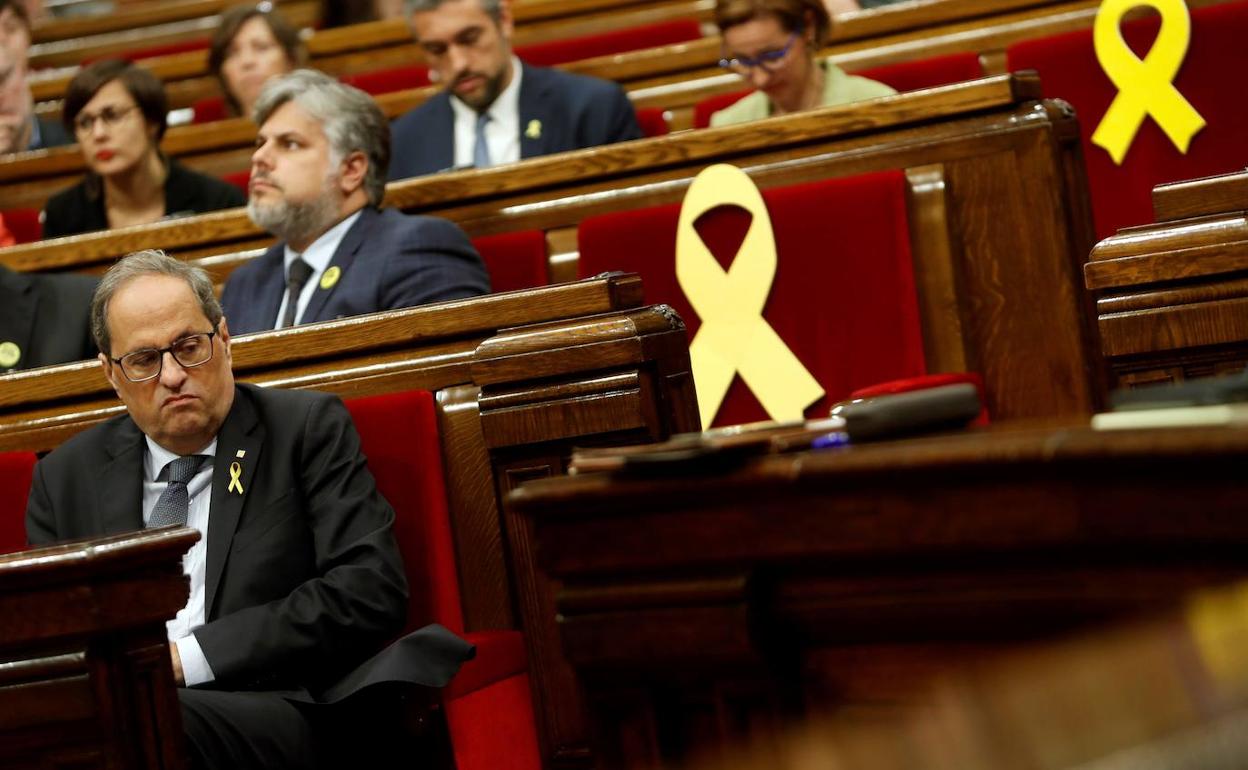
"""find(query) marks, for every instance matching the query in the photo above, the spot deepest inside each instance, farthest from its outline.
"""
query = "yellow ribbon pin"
(534, 129)
(236, 478)
(734, 337)
(1145, 87)
(10, 354)
(330, 277)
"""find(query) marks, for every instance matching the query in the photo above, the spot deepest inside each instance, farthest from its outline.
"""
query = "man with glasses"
(773, 45)
(297, 579)
(493, 108)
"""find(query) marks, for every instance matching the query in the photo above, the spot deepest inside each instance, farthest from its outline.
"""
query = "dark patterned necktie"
(296, 277)
(174, 502)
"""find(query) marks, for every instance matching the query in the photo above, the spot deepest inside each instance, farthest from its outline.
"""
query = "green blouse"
(838, 88)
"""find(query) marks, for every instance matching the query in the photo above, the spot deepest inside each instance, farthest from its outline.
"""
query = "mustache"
(262, 178)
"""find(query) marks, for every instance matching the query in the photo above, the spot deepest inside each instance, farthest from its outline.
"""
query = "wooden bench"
(1172, 297)
(997, 266)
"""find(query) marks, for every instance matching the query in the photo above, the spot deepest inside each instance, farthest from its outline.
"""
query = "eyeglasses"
(190, 351)
(768, 61)
(109, 116)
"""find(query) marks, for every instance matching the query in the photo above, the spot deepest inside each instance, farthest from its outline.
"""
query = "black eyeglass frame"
(743, 65)
(171, 350)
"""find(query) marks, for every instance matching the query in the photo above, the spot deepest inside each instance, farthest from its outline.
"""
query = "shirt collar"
(506, 104)
(157, 457)
(319, 254)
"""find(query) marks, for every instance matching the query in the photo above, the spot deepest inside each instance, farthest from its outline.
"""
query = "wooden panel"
(1201, 197)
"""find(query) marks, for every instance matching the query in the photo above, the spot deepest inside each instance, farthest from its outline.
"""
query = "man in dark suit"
(495, 109)
(298, 579)
(44, 319)
(20, 128)
(317, 177)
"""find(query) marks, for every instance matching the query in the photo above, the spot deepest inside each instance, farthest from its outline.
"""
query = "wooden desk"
(85, 678)
(698, 608)
(1172, 298)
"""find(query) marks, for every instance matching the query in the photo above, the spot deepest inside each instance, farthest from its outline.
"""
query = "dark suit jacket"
(303, 579)
(51, 134)
(80, 210)
(573, 111)
(47, 316)
(388, 261)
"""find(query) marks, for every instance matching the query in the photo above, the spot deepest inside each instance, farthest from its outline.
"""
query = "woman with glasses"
(253, 44)
(772, 44)
(116, 111)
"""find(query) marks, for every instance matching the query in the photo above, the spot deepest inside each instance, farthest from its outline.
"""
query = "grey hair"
(492, 8)
(352, 121)
(148, 262)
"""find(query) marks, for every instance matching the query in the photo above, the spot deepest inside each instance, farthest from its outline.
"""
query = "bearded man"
(318, 177)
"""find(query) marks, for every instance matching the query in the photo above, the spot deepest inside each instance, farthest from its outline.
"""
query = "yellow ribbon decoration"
(733, 337)
(236, 478)
(1145, 87)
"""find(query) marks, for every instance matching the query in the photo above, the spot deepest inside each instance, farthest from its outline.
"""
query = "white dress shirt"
(318, 257)
(195, 668)
(502, 133)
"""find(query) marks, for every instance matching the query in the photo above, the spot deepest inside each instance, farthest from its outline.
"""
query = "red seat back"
(906, 76)
(240, 179)
(843, 298)
(653, 121)
(399, 436)
(616, 41)
(389, 80)
(208, 110)
(1069, 70)
(16, 471)
(514, 260)
(23, 224)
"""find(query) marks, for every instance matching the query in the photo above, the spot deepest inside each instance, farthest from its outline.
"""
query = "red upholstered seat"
(653, 121)
(152, 51)
(389, 80)
(906, 76)
(514, 260)
(16, 471)
(843, 298)
(489, 711)
(208, 110)
(240, 179)
(23, 224)
(1216, 59)
(616, 41)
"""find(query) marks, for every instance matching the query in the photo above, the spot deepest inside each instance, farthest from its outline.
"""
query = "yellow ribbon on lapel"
(1145, 87)
(236, 478)
(734, 338)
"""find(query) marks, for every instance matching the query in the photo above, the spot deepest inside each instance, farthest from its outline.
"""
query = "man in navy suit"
(317, 177)
(494, 109)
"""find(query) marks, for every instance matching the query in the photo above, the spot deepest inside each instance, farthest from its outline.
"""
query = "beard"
(298, 221)
(492, 87)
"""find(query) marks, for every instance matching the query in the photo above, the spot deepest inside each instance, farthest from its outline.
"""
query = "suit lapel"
(344, 255)
(240, 433)
(271, 287)
(536, 120)
(120, 505)
(17, 316)
(439, 142)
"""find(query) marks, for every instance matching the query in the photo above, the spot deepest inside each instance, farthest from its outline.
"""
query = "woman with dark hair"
(772, 44)
(116, 111)
(252, 44)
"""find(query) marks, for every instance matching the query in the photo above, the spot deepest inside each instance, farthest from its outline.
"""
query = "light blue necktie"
(481, 151)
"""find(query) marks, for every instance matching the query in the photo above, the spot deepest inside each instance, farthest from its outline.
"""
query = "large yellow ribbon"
(1145, 87)
(236, 478)
(733, 337)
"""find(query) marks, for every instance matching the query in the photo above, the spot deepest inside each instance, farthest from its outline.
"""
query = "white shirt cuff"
(195, 668)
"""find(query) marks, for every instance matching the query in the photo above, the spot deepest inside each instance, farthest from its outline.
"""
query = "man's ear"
(223, 332)
(354, 169)
(110, 373)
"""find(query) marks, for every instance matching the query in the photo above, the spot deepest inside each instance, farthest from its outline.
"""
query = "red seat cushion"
(389, 80)
(152, 51)
(23, 224)
(843, 298)
(906, 76)
(399, 436)
(209, 109)
(514, 260)
(1069, 70)
(653, 121)
(16, 471)
(616, 41)
(240, 179)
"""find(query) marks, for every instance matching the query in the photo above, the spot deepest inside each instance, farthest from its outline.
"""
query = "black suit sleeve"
(435, 262)
(621, 119)
(40, 523)
(358, 599)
